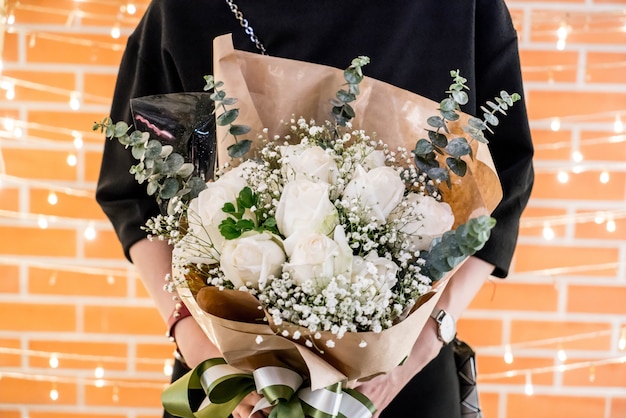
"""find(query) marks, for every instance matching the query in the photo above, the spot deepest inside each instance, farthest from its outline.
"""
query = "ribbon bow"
(214, 389)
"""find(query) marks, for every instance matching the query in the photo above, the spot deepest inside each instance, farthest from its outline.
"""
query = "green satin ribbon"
(225, 387)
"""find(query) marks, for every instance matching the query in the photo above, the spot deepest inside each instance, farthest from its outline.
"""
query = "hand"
(382, 389)
(247, 405)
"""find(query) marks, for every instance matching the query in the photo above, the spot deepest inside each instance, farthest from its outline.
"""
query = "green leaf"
(229, 208)
(345, 97)
(228, 229)
(440, 174)
(447, 105)
(236, 130)
(169, 188)
(218, 96)
(166, 150)
(120, 129)
(459, 147)
(352, 76)
(245, 225)
(173, 163)
(438, 139)
(457, 166)
(138, 152)
(138, 137)
(436, 122)
(185, 170)
(423, 147)
(426, 162)
(246, 198)
(152, 188)
(477, 123)
(229, 101)
(460, 97)
(239, 149)
(227, 117)
(491, 119)
(196, 185)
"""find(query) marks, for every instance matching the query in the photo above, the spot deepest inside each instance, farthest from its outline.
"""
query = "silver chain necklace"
(246, 26)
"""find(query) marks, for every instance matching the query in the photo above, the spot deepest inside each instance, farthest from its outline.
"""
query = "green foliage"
(166, 172)
(342, 111)
(452, 247)
(235, 225)
(227, 117)
(455, 150)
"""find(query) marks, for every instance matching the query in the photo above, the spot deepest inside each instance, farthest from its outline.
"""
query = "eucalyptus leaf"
(460, 97)
(185, 170)
(169, 188)
(438, 139)
(436, 122)
(152, 187)
(195, 185)
(173, 163)
(457, 166)
(459, 147)
(138, 152)
(237, 130)
(227, 117)
(120, 129)
(447, 104)
(450, 115)
(239, 149)
(423, 147)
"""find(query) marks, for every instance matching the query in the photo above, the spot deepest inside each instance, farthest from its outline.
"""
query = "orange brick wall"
(63, 293)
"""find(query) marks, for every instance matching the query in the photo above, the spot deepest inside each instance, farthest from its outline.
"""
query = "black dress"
(412, 45)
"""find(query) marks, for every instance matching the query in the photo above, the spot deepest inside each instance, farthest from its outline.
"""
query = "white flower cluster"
(331, 236)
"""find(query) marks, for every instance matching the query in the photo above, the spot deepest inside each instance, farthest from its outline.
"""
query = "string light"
(548, 232)
(42, 222)
(131, 9)
(72, 160)
(99, 372)
(54, 360)
(562, 177)
(621, 344)
(577, 156)
(555, 124)
(90, 233)
(528, 386)
(604, 177)
(116, 32)
(168, 367)
(75, 100)
(78, 139)
(561, 355)
(54, 393)
(53, 199)
(611, 226)
(508, 354)
(618, 126)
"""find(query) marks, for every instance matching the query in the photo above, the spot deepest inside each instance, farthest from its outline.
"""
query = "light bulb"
(75, 100)
(618, 126)
(110, 279)
(577, 156)
(115, 32)
(622, 341)
(53, 199)
(54, 394)
(78, 139)
(528, 387)
(42, 222)
(11, 19)
(560, 44)
(555, 124)
(10, 94)
(17, 132)
(548, 232)
(54, 361)
(561, 355)
(508, 355)
(71, 160)
(131, 9)
(8, 124)
(605, 177)
(99, 372)
(168, 367)
(90, 233)
(611, 226)
(99, 383)
(562, 177)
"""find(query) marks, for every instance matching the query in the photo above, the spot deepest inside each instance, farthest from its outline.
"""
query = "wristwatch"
(446, 326)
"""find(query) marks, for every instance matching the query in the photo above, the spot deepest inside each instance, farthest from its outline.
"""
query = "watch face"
(447, 328)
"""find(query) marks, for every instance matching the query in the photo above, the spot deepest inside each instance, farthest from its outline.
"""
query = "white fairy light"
(560, 44)
(53, 199)
(528, 387)
(8, 124)
(99, 372)
(78, 139)
(618, 125)
(621, 344)
(10, 94)
(548, 232)
(599, 218)
(604, 177)
(561, 355)
(168, 367)
(562, 177)
(555, 124)
(54, 394)
(577, 156)
(18, 132)
(99, 383)
(90, 233)
(561, 34)
(42, 222)
(110, 279)
(72, 160)
(11, 19)
(75, 100)
(115, 31)
(131, 9)
(611, 226)
(508, 355)
(54, 360)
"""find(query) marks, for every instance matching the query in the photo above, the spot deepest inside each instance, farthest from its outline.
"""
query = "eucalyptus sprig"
(228, 117)
(235, 225)
(167, 173)
(341, 110)
(456, 149)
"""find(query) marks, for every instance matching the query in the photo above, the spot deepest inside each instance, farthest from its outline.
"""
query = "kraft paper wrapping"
(271, 90)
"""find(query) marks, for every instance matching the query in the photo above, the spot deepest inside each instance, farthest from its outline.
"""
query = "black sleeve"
(498, 68)
(145, 69)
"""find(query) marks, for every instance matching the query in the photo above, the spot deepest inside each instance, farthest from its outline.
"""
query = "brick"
(79, 348)
(90, 414)
(609, 375)
(122, 320)
(585, 28)
(532, 214)
(546, 406)
(105, 246)
(523, 331)
(99, 51)
(618, 407)
(581, 186)
(57, 80)
(6, 413)
(489, 403)
(548, 144)
(31, 317)
(605, 67)
(100, 85)
(138, 394)
(501, 295)
(10, 360)
(32, 392)
(9, 198)
(546, 104)
(9, 279)
(81, 207)
(540, 258)
(593, 230)
(480, 332)
(10, 51)
(93, 161)
(38, 242)
(66, 120)
(603, 149)
(539, 65)
(596, 299)
(48, 164)
(157, 352)
(486, 365)
(68, 283)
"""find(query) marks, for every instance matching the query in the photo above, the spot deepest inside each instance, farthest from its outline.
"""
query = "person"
(412, 45)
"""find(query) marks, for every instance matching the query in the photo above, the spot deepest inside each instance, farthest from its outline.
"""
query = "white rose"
(373, 159)
(377, 191)
(312, 255)
(305, 206)
(205, 211)
(377, 274)
(427, 219)
(252, 257)
(195, 248)
(309, 162)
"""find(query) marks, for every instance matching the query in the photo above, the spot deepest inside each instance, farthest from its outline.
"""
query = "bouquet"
(313, 257)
